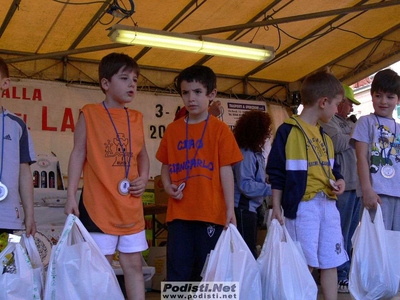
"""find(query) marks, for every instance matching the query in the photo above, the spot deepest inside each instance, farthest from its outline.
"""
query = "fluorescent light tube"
(190, 43)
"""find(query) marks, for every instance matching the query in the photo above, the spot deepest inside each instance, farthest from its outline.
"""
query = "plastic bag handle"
(32, 251)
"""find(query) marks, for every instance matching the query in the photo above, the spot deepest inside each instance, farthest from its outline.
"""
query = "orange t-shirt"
(203, 197)
(103, 169)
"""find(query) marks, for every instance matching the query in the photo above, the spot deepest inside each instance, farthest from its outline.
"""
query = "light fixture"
(133, 35)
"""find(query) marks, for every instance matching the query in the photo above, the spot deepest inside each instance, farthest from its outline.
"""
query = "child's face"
(196, 100)
(330, 108)
(122, 87)
(4, 82)
(384, 103)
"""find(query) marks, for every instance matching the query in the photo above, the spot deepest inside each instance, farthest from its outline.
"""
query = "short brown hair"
(319, 85)
(113, 62)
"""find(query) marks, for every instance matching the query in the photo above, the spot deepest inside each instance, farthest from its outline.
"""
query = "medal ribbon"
(2, 144)
(315, 152)
(126, 165)
(387, 159)
(197, 146)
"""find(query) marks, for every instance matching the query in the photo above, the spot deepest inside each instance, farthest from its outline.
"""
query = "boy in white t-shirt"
(377, 142)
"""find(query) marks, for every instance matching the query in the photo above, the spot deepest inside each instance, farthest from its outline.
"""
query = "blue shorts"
(317, 229)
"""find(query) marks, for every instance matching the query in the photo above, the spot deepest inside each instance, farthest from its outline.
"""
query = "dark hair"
(4, 69)
(252, 129)
(113, 62)
(318, 85)
(386, 81)
(198, 73)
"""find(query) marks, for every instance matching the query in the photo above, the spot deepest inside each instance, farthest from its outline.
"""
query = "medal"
(3, 191)
(3, 188)
(333, 184)
(387, 171)
(123, 186)
(181, 187)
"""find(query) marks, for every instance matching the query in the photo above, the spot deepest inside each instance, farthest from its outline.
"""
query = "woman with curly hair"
(251, 132)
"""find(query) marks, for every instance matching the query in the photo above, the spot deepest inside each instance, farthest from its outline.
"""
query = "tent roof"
(65, 39)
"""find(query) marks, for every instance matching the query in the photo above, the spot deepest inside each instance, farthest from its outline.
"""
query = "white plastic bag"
(36, 263)
(372, 274)
(393, 243)
(77, 269)
(284, 270)
(17, 276)
(232, 260)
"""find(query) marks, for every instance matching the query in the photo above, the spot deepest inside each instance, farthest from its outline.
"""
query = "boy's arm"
(227, 182)
(170, 188)
(369, 197)
(27, 199)
(276, 205)
(75, 165)
(138, 186)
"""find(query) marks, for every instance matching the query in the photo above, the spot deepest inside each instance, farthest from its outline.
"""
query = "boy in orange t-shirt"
(197, 153)
(109, 147)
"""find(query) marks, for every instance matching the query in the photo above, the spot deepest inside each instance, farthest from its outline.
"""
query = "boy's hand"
(137, 187)
(370, 200)
(277, 214)
(173, 191)
(340, 187)
(30, 227)
(71, 207)
(230, 218)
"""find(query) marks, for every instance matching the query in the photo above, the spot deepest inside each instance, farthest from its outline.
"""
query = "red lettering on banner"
(5, 94)
(68, 120)
(45, 127)
(37, 95)
(14, 93)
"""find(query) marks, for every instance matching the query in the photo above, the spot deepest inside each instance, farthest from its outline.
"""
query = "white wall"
(51, 109)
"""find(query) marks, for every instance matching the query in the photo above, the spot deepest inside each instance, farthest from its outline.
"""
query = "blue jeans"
(348, 205)
(188, 244)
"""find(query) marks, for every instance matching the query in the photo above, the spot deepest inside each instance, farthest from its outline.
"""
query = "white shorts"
(124, 243)
(317, 229)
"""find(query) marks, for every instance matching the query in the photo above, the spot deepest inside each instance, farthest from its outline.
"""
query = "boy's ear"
(212, 95)
(104, 83)
(322, 102)
(4, 84)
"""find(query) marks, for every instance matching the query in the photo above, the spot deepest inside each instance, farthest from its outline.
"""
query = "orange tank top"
(104, 168)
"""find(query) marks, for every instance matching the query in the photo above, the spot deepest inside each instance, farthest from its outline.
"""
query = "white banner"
(51, 109)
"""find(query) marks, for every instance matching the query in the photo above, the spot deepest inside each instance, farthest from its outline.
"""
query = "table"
(157, 226)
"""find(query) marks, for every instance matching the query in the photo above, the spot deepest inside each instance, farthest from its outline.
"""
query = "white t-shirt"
(383, 137)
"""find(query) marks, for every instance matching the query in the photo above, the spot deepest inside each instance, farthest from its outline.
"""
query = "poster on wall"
(51, 109)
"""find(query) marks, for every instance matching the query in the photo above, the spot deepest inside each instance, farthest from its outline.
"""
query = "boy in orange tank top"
(109, 148)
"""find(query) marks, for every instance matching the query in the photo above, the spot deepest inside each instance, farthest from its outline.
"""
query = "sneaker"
(343, 286)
